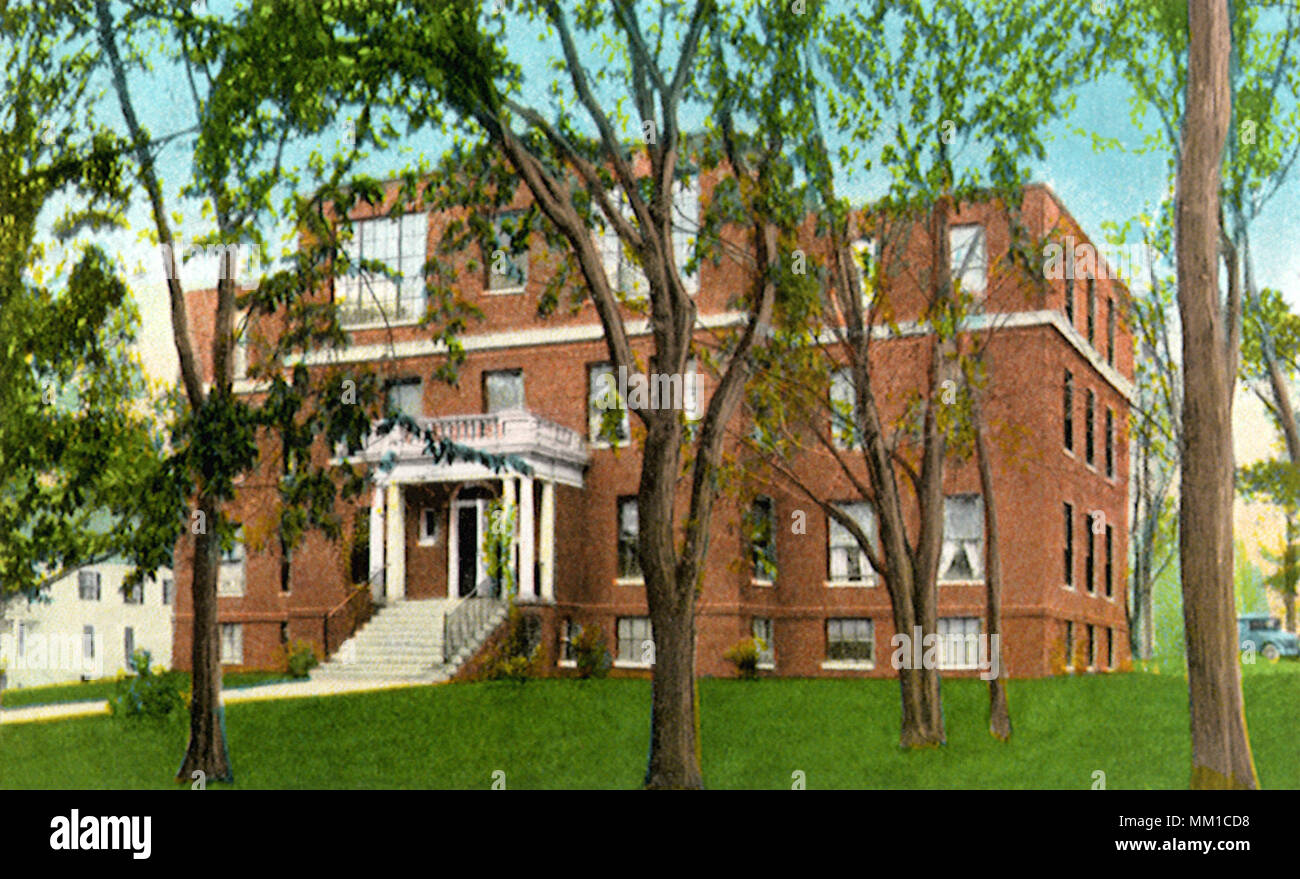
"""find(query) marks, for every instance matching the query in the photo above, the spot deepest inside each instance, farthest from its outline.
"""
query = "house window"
(970, 261)
(1092, 311)
(133, 594)
(1110, 331)
(844, 409)
(88, 585)
(622, 268)
(23, 630)
(1110, 443)
(232, 643)
(507, 270)
(1090, 560)
(128, 646)
(88, 642)
(284, 632)
(959, 642)
(1092, 646)
(230, 579)
(864, 258)
(1069, 297)
(848, 561)
(371, 297)
(686, 226)
(762, 539)
(503, 389)
(1069, 546)
(607, 417)
(569, 632)
(168, 590)
(1069, 644)
(962, 558)
(428, 526)
(1068, 409)
(761, 628)
(1090, 406)
(850, 641)
(635, 641)
(404, 396)
(629, 554)
(1110, 560)
(243, 333)
(1110, 648)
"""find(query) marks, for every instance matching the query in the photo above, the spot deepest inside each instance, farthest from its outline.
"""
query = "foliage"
(146, 695)
(498, 546)
(590, 655)
(518, 655)
(299, 658)
(744, 655)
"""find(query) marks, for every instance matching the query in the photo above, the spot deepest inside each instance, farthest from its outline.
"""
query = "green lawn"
(99, 691)
(582, 734)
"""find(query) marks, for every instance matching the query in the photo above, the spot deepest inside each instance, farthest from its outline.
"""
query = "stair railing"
(464, 620)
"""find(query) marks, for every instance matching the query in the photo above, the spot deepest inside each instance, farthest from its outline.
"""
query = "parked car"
(1265, 633)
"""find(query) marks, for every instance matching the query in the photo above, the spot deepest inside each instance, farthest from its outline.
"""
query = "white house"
(84, 626)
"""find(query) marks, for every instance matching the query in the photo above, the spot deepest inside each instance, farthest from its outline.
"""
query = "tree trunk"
(206, 752)
(1221, 756)
(999, 711)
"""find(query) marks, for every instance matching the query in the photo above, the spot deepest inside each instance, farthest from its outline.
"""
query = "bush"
(744, 656)
(147, 694)
(518, 654)
(590, 654)
(299, 658)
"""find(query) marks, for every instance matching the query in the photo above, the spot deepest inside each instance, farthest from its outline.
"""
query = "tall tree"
(1221, 756)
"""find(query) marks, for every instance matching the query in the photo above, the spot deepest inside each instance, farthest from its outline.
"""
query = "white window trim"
(425, 538)
(870, 582)
(629, 581)
(627, 663)
(765, 584)
(848, 664)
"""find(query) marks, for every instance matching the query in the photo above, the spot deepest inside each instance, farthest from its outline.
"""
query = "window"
(24, 629)
(1068, 408)
(133, 594)
(503, 389)
(1090, 560)
(848, 562)
(232, 643)
(1069, 644)
(864, 256)
(88, 585)
(844, 409)
(762, 539)
(404, 396)
(962, 558)
(1090, 406)
(428, 526)
(369, 297)
(607, 418)
(959, 642)
(850, 641)
(168, 590)
(1110, 443)
(635, 641)
(1110, 560)
(761, 628)
(621, 266)
(1110, 648)
(243, 333)
(970, 260)
(569, 632)
(1092, 646)
(88, 642)
(1110, 331)
(1069, 297)
(1092, 310)
(284, 632)
(507, 270)
(1069, 546)
(686, 225)
(128, 646)
(230, 578)
(629, 554)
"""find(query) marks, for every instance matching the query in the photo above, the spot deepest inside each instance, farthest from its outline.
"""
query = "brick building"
(1061, 370)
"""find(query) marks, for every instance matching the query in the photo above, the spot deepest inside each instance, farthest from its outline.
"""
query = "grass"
(99, 691)
(594, 734)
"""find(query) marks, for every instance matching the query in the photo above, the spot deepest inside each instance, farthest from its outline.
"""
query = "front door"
(467, 547)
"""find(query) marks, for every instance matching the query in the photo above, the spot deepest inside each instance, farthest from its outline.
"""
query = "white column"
(546, 552)
(508, 499)
(376, 540)
(527, 540)
(395, 557)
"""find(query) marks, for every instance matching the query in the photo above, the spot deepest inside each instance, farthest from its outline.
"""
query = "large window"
(88, 585)
(848, 561)
(1069, 546)
(844, 409)
(761, 627)
(607, 416)
(762, 539)
(970, 259)
(850, 641)
(374, 298)
(232, 643)
(962, 558)
(629, 554)
(230, 578)
(507, 270)
(635, 641)
(404, 396)
(959, 642)
(1068, 410)
(503, 389)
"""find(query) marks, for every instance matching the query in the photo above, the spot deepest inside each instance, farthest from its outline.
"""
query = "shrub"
(590, 654)
(299, 658)
(518, 654)
(147, 694)
(744, 656)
